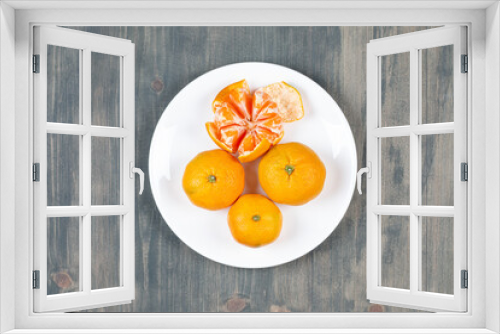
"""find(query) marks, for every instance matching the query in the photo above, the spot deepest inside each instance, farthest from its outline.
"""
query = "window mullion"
(80, 130)
(80, 177)
(80, 211)
(85, 247)
(109, 132)
(414, 171)
(420, 211)
(87, 171)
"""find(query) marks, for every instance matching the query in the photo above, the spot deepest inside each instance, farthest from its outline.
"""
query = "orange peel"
(259, 150)
(288, 99)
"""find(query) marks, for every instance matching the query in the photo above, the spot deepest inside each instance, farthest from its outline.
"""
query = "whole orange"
(292, 174)
(254, 220)
(213, 179)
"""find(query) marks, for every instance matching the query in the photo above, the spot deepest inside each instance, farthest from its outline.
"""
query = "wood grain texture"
(105, 83)
(170, 277)
(63, 170)
(395, 251)
(63, 257)
(437, 255)
(63, 85)
(395, 170)
(437, 84)
(395, 89)
(105, 171)
(437, 169)
(105, 258)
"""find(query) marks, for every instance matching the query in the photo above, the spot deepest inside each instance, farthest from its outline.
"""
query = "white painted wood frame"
(85, 43)
(7, 167)
(483, 19)
(413, 43)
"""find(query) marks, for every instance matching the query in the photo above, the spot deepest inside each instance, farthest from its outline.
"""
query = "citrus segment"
(256, 152)
(240, 85)
(212, 132)
(288, 99)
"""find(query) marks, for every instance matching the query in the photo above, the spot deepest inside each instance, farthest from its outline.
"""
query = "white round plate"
(180, 135)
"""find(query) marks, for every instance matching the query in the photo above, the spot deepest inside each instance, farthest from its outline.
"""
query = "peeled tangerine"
(244, 123)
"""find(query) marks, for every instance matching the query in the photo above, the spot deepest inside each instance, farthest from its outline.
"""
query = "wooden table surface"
(170, 277)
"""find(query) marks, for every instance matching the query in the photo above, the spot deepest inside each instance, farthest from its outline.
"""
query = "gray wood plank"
(63, 267)
(437, 255)
(105, 250)
(170, 277)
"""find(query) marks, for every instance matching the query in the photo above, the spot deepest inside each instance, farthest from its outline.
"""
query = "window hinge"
(36, 279)
(465, 64)
(36, 63)
(464, 171)
(36, 172)
(465, 279)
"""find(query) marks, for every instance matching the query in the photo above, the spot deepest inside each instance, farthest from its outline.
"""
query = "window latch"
(134, 170)
(368, 171)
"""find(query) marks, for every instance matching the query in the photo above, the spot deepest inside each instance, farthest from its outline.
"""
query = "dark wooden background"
(170, 277)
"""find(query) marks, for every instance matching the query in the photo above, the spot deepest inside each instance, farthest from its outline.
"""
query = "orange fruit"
(244, 123)
(213, 180)
(254, 220)
(291, 174)
(288, 99)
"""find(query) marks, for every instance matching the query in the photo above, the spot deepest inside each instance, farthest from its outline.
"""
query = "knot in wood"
(62, 280)
(236, 304)
(157, 85)
(376, 308)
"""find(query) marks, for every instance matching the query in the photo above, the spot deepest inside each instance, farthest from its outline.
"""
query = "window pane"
(395, 252)
(437, 254)
(395, 170)
(437, 84)
(105, 252)
(106, 171)
(395, 89)
(63, 255)
(63, 85)
(437, 169)
(105, 90)
(63, 170)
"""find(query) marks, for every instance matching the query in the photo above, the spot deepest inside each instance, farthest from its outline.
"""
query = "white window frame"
(483, 21)
(86, 44)
(412, 44)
